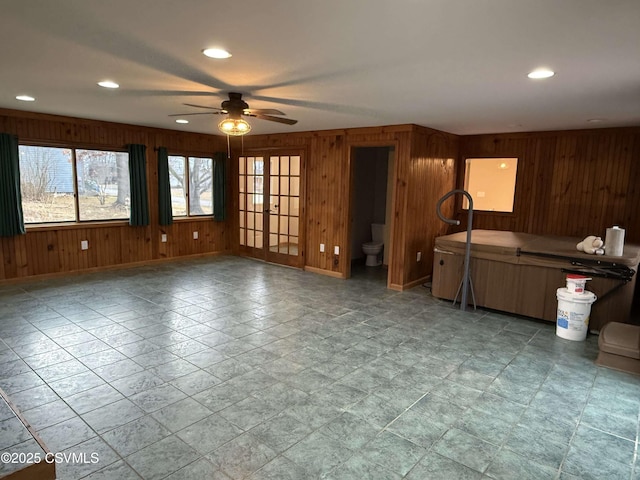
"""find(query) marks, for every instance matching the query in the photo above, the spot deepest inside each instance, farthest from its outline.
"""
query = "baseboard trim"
(328, 273)
(120, 266)
(42, 469)
(407, 286)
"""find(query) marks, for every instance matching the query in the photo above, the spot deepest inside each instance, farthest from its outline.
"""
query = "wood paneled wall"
(568, 183)
(425, 161)
(56, 249)
(430, 173)
(400, 138)
(572, 183)
(327, 174)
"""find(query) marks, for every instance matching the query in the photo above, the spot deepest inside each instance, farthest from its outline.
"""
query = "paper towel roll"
(614, 241)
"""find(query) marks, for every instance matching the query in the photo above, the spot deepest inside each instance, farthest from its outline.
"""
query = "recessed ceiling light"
(26, 98)
(216, 53)
(182, 120)
(541, 73)
(108, 84)
(595, 120)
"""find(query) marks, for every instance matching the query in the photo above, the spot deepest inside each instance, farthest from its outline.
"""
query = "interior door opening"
(371, 201)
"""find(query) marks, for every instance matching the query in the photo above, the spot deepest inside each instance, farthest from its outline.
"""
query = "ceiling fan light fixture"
(218, 53)
(234, 126)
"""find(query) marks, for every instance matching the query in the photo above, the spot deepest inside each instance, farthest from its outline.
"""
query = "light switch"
(322, 248)
(336, 250)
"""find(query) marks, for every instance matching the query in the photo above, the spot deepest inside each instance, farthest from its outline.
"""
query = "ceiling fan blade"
(287, 121)
(329, 107)
(199, 113)
(263, 111)
(201, 106)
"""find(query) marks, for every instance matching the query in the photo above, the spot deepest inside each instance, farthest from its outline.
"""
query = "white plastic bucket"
(572, 319)
(576, 283)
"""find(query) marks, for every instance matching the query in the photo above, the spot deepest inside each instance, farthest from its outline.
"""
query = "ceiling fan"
(235, 108)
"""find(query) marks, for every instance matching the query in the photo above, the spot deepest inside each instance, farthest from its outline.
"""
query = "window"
(491, 183)
(103, 184)
(190, 179)
(69, 185)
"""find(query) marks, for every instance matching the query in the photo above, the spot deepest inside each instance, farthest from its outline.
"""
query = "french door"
(269, 207)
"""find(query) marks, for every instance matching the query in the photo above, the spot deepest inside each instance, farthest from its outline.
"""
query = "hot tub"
(520, 273)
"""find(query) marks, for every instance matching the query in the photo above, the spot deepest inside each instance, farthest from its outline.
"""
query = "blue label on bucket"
(563, 322)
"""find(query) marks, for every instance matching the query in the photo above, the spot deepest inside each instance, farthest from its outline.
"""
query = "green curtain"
(11, 218)
(219, 187)
(138, 181)
(165, 213)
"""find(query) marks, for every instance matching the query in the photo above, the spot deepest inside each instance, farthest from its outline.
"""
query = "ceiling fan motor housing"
(235, 105)
(235, 108)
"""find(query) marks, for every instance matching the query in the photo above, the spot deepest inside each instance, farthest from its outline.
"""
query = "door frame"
(351, 168)
(264, 254)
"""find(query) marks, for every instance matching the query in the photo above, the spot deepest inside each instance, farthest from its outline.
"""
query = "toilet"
(373, 249)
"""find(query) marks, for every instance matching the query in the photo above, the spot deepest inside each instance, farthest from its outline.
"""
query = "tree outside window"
(102, 176)
(191, 182)
(67, 185)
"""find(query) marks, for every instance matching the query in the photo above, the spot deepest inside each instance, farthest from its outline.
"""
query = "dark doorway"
(371, 205)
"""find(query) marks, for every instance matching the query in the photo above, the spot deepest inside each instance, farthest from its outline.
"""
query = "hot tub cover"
(529, 249)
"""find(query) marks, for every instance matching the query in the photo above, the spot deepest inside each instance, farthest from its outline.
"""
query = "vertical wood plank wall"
(327, 170)
(425, 170)
(572, 183)
(49, 250)
(568, 183)
(429, 174)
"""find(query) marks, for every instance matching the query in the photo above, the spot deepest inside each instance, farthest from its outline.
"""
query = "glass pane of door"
(284, 204)
(251, 201)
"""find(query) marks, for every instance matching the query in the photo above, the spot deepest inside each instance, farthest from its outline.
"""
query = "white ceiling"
(455, 65)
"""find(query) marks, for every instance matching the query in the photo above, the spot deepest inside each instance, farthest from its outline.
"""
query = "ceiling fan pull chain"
(228, 148)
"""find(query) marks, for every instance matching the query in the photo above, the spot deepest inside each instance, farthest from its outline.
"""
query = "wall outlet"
(195, 235)
(419, 257)
(322, 248)
(84, 245)
(163, 238)
(336, 250)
